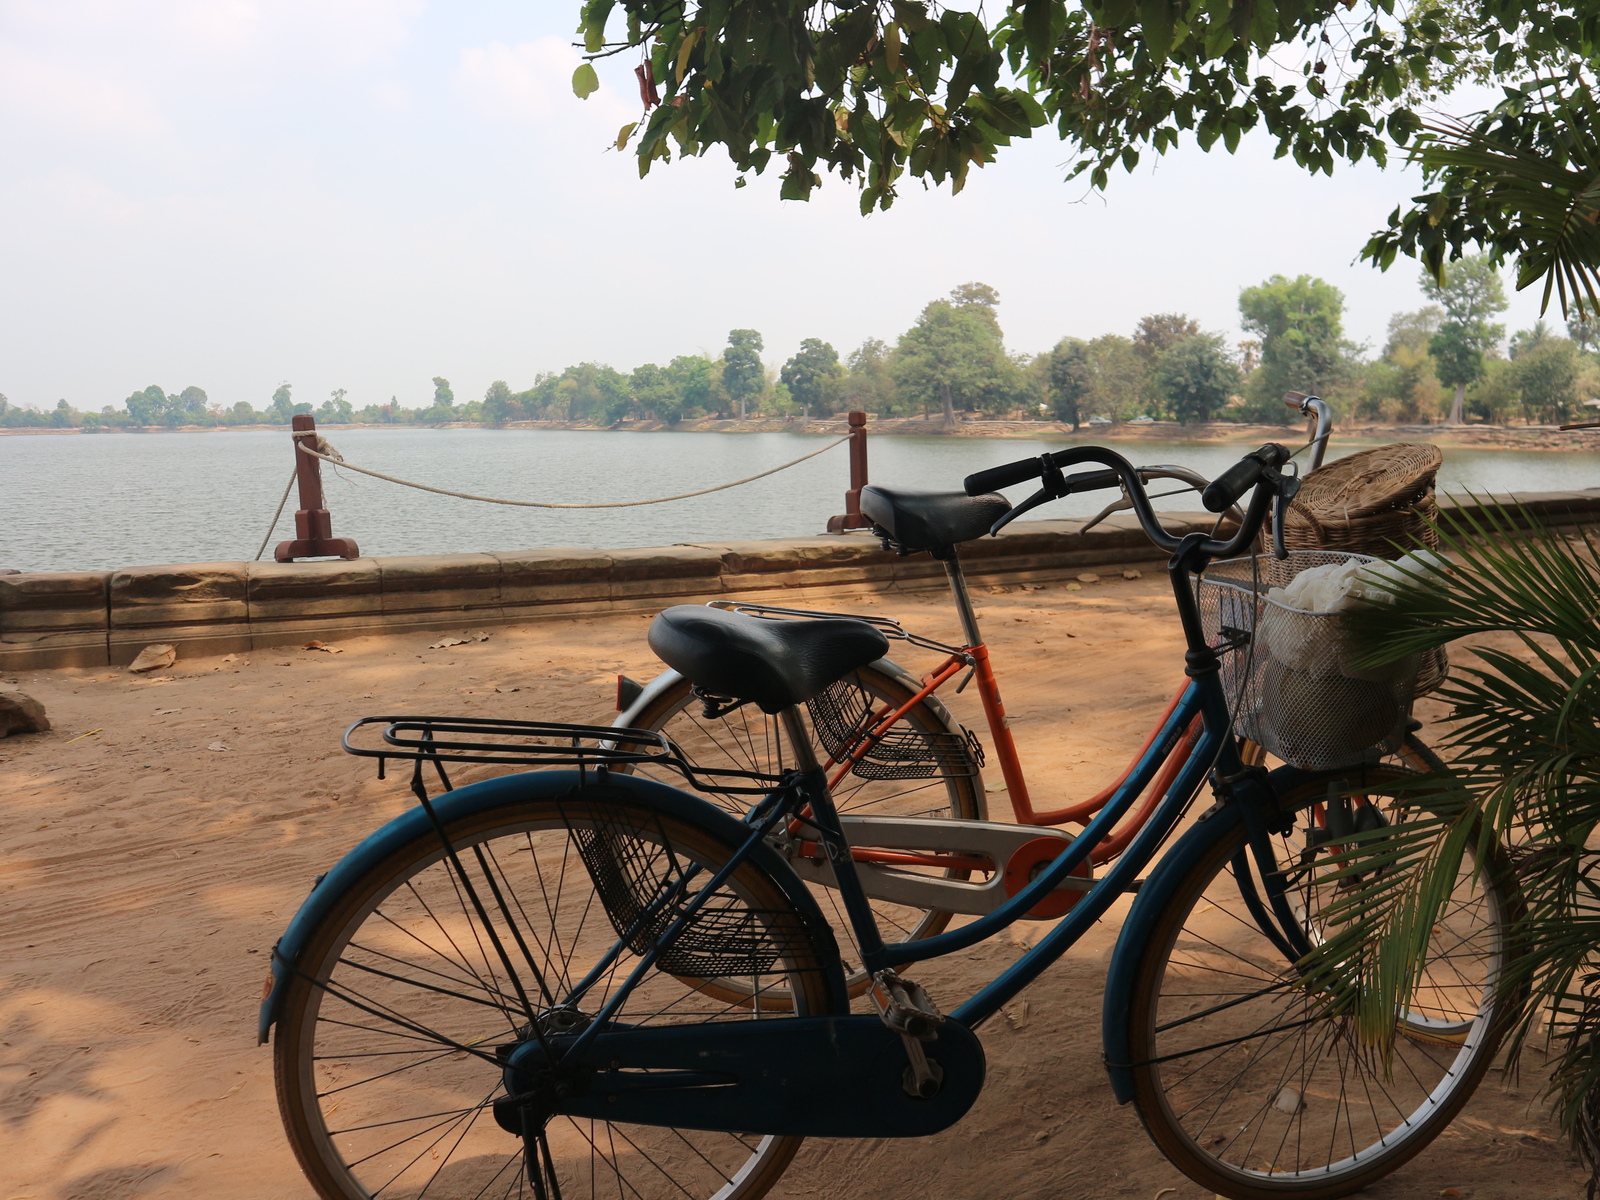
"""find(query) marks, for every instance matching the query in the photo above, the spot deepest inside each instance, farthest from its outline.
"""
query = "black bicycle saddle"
(916, 520)
(773, 664)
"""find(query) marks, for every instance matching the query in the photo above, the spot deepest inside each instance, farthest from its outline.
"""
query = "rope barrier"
(276, 516)
(334, 459)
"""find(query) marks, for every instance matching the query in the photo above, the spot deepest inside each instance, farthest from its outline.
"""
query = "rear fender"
(670, 679)
(651, 692)
(509, 791)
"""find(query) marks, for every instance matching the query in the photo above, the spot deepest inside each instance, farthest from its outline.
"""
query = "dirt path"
(145, 873)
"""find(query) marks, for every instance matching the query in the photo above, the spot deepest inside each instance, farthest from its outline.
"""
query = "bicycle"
(555, 982)
(891, 746)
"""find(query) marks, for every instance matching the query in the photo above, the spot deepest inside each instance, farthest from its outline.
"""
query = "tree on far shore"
(1470, 294)
(497, 403)
(1300, 323)
(954, 354)
(743, 376)
(869, 384)
(1196, 377)
(336, 410)
(282, 408)
(813, 376)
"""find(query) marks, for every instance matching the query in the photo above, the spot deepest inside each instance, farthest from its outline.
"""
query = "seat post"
(958, 589)
(805, 758)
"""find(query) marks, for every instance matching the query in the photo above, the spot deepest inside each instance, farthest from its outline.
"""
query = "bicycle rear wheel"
(395, 1024)
(1245, 1078)
(922, 767)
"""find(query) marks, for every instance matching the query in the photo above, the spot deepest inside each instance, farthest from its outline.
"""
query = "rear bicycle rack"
(498, 741)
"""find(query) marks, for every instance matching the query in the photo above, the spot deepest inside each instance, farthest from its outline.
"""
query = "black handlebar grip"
(1092, 481)
(995, 478)
(1225, 490)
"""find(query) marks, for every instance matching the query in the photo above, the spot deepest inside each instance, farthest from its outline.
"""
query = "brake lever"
(1288, 489)
(1042, 496)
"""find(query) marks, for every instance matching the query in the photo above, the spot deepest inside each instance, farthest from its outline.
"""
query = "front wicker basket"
(1378, 502)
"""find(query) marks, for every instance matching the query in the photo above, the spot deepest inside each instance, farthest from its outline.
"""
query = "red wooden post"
(851, 518)
(313, 526)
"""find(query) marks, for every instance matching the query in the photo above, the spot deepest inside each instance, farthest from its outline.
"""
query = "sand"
(156, 843)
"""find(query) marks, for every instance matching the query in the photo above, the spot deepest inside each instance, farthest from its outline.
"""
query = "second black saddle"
(916, 520)
(772, 664)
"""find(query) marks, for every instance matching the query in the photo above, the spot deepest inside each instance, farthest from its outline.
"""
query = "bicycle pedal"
(906, 1007)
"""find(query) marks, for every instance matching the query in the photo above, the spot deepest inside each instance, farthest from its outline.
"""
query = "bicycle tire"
(749, 739)
(399, 974)
(1249, 1091)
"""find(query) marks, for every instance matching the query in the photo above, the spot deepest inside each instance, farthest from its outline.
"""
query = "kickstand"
(541, 1166)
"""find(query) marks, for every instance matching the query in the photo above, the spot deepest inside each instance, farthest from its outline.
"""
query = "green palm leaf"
(1525, 744)
(1522, 181)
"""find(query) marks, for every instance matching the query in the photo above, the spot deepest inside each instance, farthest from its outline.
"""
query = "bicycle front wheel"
(411, 992)
(1247, 1079)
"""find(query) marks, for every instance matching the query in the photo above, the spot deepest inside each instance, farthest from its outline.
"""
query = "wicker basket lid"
(1371, 481)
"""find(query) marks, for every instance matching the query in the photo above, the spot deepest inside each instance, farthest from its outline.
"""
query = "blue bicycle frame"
(810, 802)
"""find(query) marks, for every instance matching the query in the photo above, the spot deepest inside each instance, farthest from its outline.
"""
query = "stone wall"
(101, 618)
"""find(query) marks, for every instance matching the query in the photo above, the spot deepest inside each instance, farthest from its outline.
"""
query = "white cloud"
(80, 197)
(392, 95)
(531, 84)
(37, 94)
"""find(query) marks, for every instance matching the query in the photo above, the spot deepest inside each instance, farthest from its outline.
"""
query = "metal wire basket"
(1292, 675)
(845, 713)
(640, 883)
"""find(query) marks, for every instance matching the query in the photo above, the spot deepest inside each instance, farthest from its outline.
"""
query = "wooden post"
(851, 518)
(313, 526)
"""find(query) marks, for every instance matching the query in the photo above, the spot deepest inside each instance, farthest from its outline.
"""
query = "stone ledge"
(101, 618)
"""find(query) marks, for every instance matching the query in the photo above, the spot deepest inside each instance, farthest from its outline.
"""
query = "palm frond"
(1525, 749)
(1506, 582)
(1522, 181)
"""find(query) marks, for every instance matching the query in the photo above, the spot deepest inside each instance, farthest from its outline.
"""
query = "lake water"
(106, 501)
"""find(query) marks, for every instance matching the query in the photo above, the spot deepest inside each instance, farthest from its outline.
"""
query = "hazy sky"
(367, 193)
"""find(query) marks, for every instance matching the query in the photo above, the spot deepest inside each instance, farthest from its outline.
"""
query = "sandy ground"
(157, 842)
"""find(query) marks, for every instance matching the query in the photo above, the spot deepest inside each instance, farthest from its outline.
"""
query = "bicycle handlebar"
(1313, 406)
(1011, 474)
(1224, 491)
(1259, 466)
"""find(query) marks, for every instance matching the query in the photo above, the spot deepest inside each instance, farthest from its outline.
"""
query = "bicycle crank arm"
(1014, 854)
(801, 1076)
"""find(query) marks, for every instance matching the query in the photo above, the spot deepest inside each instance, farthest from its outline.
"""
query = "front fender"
(509, 791)
(1154, 896)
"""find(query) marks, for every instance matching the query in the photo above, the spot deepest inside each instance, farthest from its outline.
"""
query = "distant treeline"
(1446, 358)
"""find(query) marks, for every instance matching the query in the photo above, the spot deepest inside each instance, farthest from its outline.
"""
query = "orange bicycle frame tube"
(1011, 766)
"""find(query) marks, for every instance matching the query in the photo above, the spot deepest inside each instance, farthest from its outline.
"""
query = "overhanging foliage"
(875, 91)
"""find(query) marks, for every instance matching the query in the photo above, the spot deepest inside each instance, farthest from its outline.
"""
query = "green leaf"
(584, 81)
(626, 133)
(1038, 17)
(1155, 19)
(687, 49)
(593, 24)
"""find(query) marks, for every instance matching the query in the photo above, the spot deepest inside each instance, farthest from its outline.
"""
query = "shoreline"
(1544, 438)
